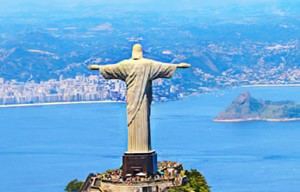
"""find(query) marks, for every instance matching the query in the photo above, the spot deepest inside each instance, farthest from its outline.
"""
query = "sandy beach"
(256, 119)
(58, 103)
(271, 85)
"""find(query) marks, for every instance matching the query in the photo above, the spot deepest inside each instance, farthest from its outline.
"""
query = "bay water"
(42, 148)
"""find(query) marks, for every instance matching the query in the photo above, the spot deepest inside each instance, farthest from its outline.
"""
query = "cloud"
(103, 27)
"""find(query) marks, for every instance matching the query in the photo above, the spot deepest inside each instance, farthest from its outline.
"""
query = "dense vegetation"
(214, 41)
(74, 186)
(196, 183)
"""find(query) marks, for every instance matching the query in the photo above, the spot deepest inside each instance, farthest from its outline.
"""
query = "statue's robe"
(138, 75)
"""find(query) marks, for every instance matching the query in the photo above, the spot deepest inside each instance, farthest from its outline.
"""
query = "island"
(247, 108)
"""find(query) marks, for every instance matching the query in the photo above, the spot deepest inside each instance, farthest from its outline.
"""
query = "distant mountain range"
(33, 48)
(247, 108)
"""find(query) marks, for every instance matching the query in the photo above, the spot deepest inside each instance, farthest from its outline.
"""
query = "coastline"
(255, 119)
(270, 85)
(193, 94)
(57, 103)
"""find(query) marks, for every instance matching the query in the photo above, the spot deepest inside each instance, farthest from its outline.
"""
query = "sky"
(12, 6)
(192, 3)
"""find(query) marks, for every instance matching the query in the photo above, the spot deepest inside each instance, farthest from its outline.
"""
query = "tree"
(74, 186)
(196, 183)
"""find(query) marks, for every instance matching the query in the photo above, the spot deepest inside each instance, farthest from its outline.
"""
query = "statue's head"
(137, 51)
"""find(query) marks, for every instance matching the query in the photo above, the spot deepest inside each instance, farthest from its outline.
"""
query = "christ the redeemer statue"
(138, 73)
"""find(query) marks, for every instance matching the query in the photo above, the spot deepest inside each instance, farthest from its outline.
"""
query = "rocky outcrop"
(247, 108)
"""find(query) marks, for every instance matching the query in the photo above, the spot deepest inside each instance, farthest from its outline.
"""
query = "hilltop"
(247, 108)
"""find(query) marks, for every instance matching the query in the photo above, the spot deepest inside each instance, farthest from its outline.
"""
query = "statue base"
(168, 176)
(134, 163)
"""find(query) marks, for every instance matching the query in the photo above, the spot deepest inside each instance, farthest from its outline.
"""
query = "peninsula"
(247, 108)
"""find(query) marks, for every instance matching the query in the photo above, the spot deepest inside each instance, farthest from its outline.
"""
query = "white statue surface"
(138, 74)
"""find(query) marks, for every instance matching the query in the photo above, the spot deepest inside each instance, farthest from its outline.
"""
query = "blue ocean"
(42, 148)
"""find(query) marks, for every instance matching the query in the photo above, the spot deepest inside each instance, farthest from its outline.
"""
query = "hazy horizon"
(27, 6)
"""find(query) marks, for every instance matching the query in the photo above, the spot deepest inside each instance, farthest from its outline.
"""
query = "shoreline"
(255, 119)
(110, 101)
(57, 103)
(270, 85)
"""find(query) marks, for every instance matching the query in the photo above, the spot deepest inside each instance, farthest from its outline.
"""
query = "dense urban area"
(95, 88)
(45, 60)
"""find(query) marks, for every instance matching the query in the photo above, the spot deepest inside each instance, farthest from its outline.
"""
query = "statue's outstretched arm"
(94, 67)
(111, 71)
(183, 65)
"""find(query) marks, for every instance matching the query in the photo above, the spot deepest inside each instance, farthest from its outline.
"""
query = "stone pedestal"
(134, 163)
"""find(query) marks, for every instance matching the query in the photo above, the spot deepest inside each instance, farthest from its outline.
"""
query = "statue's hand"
(184, 65)
(94, 67)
